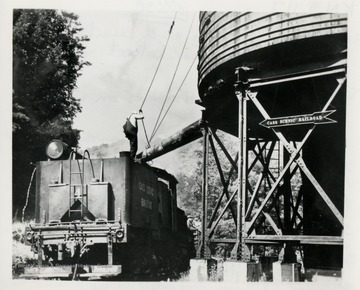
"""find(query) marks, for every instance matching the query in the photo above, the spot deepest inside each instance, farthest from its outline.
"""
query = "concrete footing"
(286, 272)
(236, 271)
(202, 270)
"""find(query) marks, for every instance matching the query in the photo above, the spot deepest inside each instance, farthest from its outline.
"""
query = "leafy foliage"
(190, 182)
(21, 253)
(47, 60)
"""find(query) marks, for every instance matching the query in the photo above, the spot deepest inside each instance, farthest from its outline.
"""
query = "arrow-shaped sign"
(314, 118)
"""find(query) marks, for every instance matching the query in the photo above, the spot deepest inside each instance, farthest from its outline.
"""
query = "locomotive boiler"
(104, 218)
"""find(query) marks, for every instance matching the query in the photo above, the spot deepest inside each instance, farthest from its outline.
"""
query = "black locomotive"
(105, 218)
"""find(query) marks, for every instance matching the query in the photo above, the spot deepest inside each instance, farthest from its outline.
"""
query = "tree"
(47, 60)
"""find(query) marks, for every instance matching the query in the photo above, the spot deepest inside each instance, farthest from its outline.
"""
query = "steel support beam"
(204, 250)
(250, 205)
(300, 239)
(245, 207)
(212, 229)
(257, 154)
(254, 196)
(240, 247)
(287, 194)
(254, 83)
(224, 182)
(277, 182)
(232, 161)
(298, 159)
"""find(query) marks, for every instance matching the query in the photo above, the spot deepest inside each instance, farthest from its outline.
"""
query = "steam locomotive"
(102, 218)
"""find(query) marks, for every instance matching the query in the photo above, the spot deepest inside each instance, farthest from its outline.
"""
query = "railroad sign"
(314, 118)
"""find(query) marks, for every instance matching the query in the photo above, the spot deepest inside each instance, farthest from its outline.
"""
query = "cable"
(172, 80)
(176, 94)
(157, 68)
(146, 136)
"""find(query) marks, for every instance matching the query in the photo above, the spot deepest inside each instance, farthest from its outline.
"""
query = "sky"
(125, 49)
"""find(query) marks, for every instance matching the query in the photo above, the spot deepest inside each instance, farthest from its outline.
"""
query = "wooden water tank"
(272, 43)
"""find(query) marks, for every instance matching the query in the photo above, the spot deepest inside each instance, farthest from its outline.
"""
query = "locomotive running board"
(67, 272)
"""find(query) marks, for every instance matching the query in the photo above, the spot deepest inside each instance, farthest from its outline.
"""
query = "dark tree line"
(47, 60)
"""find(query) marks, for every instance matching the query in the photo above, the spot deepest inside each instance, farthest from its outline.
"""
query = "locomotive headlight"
(29, 236)
(56, 149)
(119, 234)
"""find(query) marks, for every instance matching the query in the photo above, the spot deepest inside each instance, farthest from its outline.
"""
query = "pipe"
(180, 138)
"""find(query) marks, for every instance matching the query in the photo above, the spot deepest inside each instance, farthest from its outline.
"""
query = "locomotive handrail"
(92, 167)
(81, 173)
(87, 226)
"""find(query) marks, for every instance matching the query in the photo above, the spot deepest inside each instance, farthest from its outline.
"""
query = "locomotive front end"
(63, 247)
(99, 218)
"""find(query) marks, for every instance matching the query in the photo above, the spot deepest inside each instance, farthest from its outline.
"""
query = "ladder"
(77, 190)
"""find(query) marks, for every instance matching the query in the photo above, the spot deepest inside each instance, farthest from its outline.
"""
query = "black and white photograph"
(173, 142)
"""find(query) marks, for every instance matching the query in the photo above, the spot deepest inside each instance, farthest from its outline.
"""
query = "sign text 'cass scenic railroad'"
(314, 118)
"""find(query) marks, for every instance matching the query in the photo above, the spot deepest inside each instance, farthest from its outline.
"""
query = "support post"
(235, 250)
(287, 198)
(240, 247)
(245, 253)
(204, 250)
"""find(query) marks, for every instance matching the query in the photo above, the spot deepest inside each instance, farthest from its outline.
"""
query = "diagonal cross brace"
(298, 159)
(224, 182)
(233, 163)
(210, 232)
(254, 195)
(276, 183)
(257, 155)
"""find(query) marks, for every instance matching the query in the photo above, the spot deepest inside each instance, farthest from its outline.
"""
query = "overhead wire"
(153, 78)
(161, 58)
(172, 80)
(146, 136)
(172, 101)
